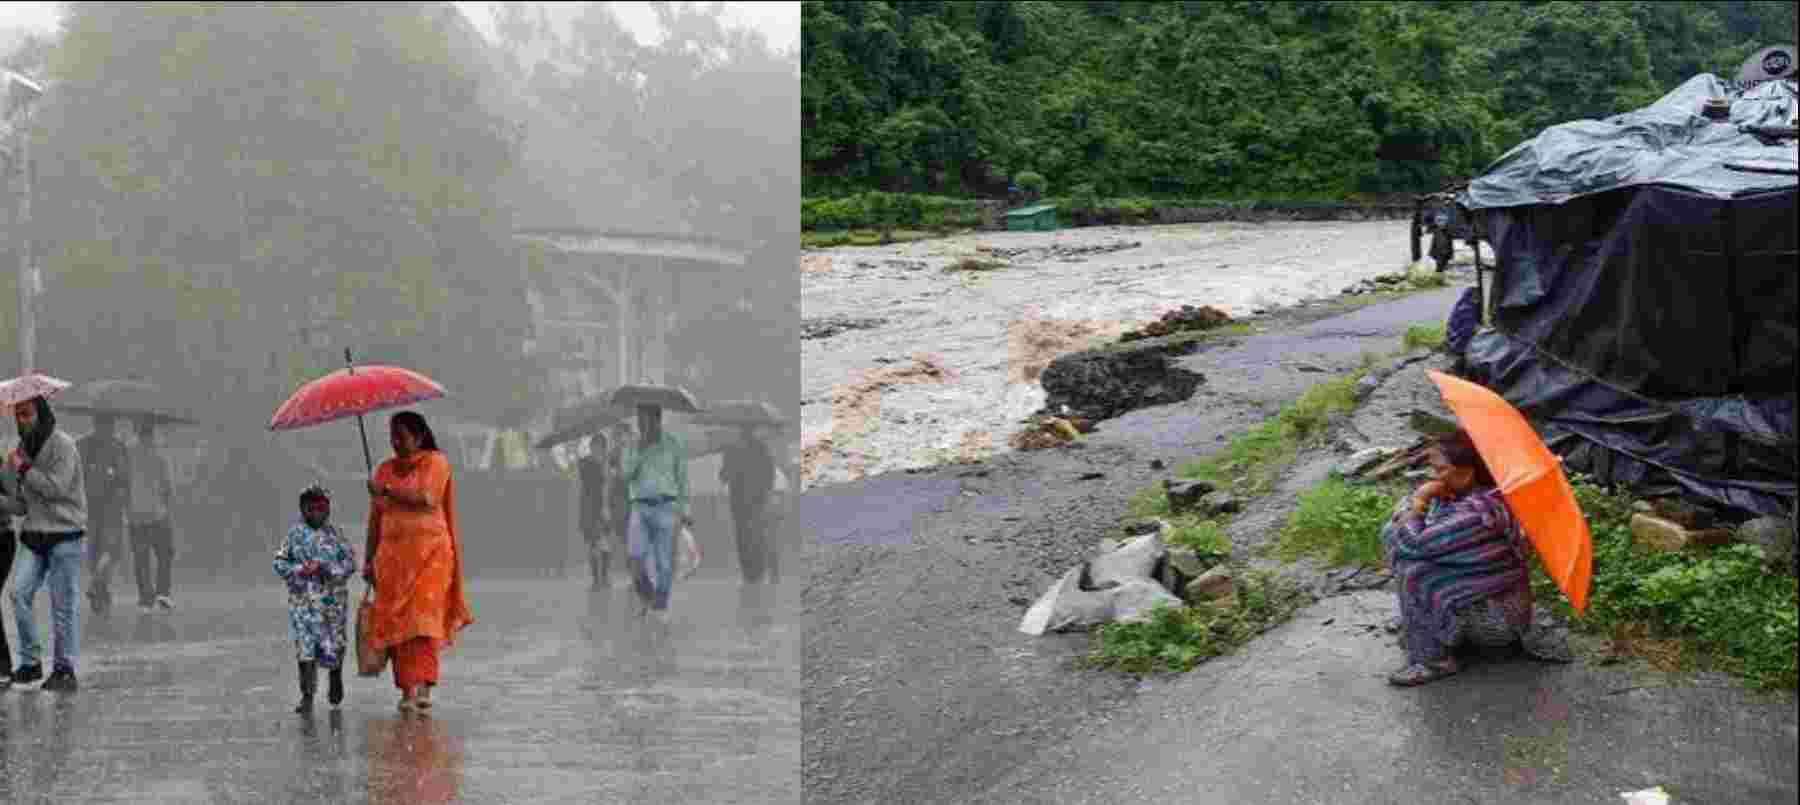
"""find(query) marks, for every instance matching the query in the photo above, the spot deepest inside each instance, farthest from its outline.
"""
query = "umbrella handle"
(368, 462)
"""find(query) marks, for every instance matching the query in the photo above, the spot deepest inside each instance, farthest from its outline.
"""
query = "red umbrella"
(354, 391)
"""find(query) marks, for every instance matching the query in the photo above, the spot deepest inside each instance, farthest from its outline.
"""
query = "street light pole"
(22, 94)
(27, 317)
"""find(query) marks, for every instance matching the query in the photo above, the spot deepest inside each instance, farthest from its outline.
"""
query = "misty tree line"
(227, 194)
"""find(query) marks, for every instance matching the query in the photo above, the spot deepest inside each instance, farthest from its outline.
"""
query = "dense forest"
(1230, 100)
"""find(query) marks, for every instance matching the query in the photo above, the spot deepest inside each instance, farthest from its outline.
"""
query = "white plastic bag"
(688, 561)
(1648, 796)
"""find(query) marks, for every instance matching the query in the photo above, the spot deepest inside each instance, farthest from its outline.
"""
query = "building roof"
(645, 244)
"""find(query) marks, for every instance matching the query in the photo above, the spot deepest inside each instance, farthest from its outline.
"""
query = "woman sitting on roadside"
(1460, 560)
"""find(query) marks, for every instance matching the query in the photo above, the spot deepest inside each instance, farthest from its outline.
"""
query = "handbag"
(690, 549)
(370, 661)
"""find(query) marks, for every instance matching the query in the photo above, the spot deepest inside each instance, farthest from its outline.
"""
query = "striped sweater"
(1457, 553)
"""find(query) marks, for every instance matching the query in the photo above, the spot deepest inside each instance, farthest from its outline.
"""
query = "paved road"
(1306, 715)
(555, 695)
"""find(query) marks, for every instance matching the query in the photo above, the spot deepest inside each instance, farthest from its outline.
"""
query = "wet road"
(554, 695)
(1304, 714)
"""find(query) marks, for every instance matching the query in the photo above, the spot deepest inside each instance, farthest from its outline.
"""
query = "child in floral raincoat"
(316, 562)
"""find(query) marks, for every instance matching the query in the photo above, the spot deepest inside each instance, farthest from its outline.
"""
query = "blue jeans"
(651, 542)
(61, 567)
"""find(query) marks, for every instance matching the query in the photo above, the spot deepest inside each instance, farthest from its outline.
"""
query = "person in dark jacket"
(1465, 319)
(617, 491)
(597, 524)
(49, 472)
(12, 505)
(106, 463)
(748, 470)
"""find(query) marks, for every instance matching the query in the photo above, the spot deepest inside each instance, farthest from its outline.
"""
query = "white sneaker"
(163, 603)
(145, 609)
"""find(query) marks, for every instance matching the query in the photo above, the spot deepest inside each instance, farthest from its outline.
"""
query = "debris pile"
(1044, 431)
(1059, 251)
(1187, 319)
(1103, 383)
(811, 329)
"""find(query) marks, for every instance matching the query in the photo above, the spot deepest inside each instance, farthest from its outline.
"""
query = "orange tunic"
(418, 559)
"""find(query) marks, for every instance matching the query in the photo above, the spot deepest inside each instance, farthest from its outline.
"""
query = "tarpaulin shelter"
(1645, 290)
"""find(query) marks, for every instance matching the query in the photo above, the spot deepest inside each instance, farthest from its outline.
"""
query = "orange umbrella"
(1532, 481)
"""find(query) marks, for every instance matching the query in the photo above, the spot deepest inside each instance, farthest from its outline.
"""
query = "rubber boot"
(337, 686)
(309, 682)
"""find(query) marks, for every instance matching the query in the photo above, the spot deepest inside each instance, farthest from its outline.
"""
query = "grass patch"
(1148, 502)
(1252, 463)
(1177, 639)
(1207, 537)
(1430, 336)
(1339, 522)
(1727, 610)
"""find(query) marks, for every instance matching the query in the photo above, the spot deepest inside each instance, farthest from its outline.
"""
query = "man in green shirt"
(656, 477)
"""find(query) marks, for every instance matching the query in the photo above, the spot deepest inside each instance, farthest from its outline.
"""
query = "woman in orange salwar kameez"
(414, 559)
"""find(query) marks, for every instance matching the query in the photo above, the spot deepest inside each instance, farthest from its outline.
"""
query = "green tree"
(219, 177)
(1231, 99)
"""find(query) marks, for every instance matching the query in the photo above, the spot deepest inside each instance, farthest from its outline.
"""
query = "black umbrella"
(123, 399)
(740, 414)
(668, 398)
(585, 417)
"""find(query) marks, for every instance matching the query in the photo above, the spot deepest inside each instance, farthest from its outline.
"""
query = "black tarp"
(1646, 300)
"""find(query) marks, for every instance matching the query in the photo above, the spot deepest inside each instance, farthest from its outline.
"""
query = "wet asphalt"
(556, 694)
(1305, 714)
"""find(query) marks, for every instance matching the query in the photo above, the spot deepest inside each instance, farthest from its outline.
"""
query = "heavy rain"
(406, 402)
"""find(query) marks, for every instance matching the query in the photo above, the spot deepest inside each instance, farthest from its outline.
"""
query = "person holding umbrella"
(12, 505)
(595, 473)
(656, 475)
(413, 605)
(49, 470)
(106, 464)
(1459, 555)
(152, 492)
(748, 470)
(618, 492)
(414, 559)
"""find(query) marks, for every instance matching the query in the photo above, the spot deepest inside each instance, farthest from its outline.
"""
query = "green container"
(1035, 218)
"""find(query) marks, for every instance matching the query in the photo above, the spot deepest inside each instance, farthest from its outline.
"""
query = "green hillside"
(1292, 100)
